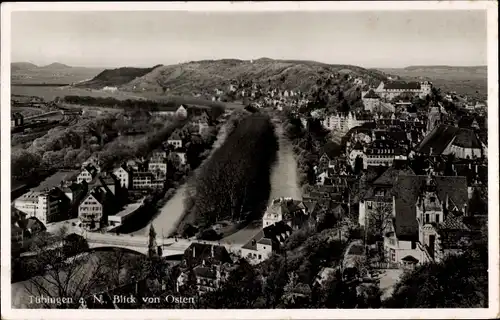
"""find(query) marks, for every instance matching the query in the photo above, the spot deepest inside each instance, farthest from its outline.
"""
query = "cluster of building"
(95, 196)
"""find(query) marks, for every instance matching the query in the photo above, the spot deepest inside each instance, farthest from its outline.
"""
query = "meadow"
(49, 93)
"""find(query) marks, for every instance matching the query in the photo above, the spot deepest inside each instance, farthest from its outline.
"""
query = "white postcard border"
(493, 170)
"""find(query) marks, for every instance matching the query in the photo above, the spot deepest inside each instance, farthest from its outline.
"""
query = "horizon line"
(261, 58)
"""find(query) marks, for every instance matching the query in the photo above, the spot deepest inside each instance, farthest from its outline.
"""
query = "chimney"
(194, 251)
(212, 250)
(430, 152)
(475, 169)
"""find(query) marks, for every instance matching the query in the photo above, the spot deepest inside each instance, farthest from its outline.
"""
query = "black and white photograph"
(284, 159)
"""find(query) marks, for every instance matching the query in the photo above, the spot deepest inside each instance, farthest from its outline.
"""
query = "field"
(50, 93)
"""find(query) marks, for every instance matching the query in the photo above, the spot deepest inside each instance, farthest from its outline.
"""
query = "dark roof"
(390, 175)
(332, 150)
(204, 252)
(411, 259)
(454, 222)
(441, 136)
(453, 187)
(34, 225)
(406, 191)
(276, 231)
(402, 85)
(467, 138)
(371, 95)
(98, 194)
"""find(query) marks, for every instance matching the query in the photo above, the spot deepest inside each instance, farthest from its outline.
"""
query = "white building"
(123, 176)
(45, 205)
(392, 89)
(344, 123)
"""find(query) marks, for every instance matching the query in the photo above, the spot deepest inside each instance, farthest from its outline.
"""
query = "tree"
(379, 220)
(152, 242)
(64, 275)
(458, 282)
(24, 163)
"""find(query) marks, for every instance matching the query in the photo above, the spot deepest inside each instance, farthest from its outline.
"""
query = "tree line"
(134, 104)
(234, 182)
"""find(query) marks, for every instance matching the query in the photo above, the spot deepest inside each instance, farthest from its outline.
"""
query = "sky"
(381, 39)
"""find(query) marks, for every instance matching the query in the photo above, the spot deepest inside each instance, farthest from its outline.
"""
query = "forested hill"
(204, 77)
(116, 77)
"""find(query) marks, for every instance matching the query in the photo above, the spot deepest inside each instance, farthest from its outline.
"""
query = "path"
(172, 212)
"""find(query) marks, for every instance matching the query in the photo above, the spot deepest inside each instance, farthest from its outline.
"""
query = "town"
(288, 161)
(398, 183)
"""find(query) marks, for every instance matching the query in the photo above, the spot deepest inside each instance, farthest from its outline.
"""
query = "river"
(284, 178)
(284, 183)
(172, 212)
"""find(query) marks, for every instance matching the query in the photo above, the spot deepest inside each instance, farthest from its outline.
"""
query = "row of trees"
(234, 183)
(308, 142)
(214, 110)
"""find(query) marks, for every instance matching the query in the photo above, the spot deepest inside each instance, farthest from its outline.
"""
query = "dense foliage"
(214, 111)
(234, 183)
(116, 77)
(70, 146)
(457, 282)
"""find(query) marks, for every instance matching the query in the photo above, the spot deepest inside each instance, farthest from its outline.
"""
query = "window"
(437, 218)
(427, 218)
(433, 199)
(369, 204)
(260, 256)
(413, 245)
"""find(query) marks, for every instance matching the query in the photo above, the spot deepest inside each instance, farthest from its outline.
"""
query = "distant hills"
(467, 80)
(439, 72)
(17, 66)
(207, 75)
(29, 73)
(204, 77)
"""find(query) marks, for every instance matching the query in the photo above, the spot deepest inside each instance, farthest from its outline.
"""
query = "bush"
(209, 234)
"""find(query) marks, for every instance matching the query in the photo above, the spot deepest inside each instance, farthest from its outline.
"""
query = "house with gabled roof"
(209, 263)
(175, 140)
(292, 212)
(267, 241)
(427, 211)
(370, 100)
(88, 173)
(124, 175)
(94, 209)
